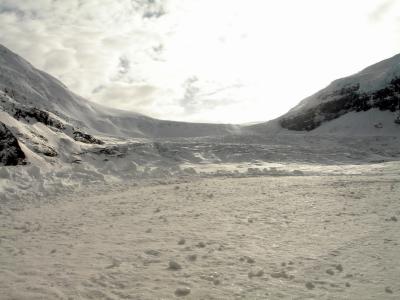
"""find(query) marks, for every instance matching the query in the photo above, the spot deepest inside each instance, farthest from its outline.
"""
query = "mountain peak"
(377, 86)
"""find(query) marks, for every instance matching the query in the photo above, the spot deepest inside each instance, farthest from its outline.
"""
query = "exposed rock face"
(45, 150)
(38, 115)
(10, 151)
(86, 138)
(32, 114)
(343, 101)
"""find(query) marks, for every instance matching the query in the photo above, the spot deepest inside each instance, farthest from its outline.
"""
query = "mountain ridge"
(375, 87)
(31, 86)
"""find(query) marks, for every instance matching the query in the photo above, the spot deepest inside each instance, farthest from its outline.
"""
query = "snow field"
(286, 237)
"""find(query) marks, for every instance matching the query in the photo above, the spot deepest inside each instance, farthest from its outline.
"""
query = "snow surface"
(286, 237)
(366, 123)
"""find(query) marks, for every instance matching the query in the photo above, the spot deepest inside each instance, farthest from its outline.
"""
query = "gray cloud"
(123, 69)
(90, 45)
(124, 65)
(190, 100)
(200, 96)
(140, 98)
(150, 8)
(128, 96)
(379, 12)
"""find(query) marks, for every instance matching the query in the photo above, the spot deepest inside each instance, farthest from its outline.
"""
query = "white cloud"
(252, 59)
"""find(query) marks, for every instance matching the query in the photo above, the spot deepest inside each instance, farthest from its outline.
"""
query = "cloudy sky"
(210, 60)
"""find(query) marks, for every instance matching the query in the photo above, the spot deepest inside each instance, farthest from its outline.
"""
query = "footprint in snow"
(339, 268)
(174, 266)
(330, 272)
(115, 264)
(182, 291)
(281, 274)
(388, 290)
(201, 245)
(258, 272)
(191, 257)
(310, 285)
(152, 252)
(248, 259)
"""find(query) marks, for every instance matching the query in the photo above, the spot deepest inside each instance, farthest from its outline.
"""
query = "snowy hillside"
(372, 96)
(29, 86)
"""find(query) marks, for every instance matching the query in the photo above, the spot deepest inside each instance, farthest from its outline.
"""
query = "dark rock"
(10, 151)
(86, 138)
(38, 115)
(45, 150)
(114, 151)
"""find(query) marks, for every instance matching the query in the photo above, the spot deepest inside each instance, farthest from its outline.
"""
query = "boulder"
(10, 151)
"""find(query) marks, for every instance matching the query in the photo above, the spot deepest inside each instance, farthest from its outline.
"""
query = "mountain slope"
(376, 88)
(29, 86)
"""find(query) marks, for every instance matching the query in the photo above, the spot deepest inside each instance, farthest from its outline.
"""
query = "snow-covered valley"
(97, 203)
(286, 218)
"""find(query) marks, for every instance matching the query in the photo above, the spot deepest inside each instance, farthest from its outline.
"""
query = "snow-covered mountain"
(43, 123)
(56, 140)
(366, 103)
(31, 87)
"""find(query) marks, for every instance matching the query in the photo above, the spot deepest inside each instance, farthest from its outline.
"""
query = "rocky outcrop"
(86, 138)
(37, 115)
(10, 151)
(45, 150)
